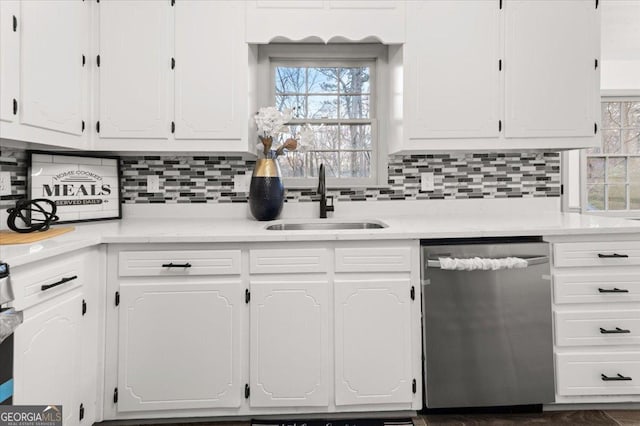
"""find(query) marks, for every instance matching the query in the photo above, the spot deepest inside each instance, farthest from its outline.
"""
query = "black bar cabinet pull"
(62, 281)
(617, 378)
(613, 290)
(611, 256)
(176, 265)
(617, 330)
(15, 106)
(15, 23)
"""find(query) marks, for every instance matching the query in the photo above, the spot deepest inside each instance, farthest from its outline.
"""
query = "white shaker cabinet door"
(179, 346)
(48, 349)
(211, 80)
(135, 67)
(373, 351)
(452, 83)
(552, 82)
(289, 344)
(9, 59)
(53, 39)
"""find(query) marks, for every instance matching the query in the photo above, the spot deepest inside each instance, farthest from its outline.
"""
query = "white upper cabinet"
(551, 79)
(9, 59)
(53, 41)
(490, 75)
(373, 367)
(210, 75)
(289, 344)
(452, 69)
(179, 345)
(135, 69)
(325, 21)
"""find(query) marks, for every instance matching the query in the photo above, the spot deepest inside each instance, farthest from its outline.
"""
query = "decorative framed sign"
(84, 188)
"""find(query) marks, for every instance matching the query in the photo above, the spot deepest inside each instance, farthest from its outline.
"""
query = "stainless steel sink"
(324, 226)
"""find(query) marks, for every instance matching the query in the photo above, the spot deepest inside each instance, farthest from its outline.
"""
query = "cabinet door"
(289, 344)
(551, 78)
(53, 38)
(453, 76)
(185, 335)
(9, 58)
(47, 356)
(211, 81)
(373, 341)
(135, 66)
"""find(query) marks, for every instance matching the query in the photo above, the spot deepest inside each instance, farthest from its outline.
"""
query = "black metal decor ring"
(45, 215)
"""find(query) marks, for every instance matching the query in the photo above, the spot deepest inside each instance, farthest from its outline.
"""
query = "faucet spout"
(322, 191)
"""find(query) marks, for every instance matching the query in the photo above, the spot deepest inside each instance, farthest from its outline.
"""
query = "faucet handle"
(330, 206)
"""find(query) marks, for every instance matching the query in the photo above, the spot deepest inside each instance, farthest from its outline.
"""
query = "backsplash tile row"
(14, 161)
(210, 179)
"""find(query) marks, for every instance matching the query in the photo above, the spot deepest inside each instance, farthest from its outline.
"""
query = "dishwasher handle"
(539, 260)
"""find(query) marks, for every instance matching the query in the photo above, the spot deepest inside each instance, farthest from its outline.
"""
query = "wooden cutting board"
(10, 237)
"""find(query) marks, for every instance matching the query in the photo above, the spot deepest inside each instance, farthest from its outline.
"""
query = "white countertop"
(466, 224)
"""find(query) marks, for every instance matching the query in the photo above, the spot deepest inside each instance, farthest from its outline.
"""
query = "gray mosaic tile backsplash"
(209, 179)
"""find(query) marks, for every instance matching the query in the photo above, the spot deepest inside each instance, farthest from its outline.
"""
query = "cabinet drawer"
(288, 261)
(377, 259)
(184, 262)
(615, 327)
(594, 288)
(616, 253)
(36, 283)
(611, 373)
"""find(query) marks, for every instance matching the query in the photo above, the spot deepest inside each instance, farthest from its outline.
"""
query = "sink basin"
(324, 226)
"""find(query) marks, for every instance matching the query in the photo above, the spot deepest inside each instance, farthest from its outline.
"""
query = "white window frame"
(583, 170)
(337, 55)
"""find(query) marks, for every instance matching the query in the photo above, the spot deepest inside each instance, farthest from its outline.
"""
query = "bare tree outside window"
(336, 102)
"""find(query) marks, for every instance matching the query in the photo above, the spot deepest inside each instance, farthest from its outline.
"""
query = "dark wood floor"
(562, 418)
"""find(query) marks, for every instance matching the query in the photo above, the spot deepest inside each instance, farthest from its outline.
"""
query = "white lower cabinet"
(596, 313)
(289, 343)
(48, 350)
(179, 345)
(372, 341)
(55, 355)
(252, 329)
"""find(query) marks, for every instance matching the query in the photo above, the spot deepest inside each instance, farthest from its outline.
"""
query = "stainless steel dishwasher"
(487, 334)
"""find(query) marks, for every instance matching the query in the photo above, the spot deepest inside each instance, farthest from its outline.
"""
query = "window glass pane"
(354, 80)
(630, 113)
(595, 170)
(354, 106)
(329, 159)
(611, 141)
(323, 107)
(323, 80)
(325, 138)
(616, 170)
(592, 151)
(634, 169)
(355, 164)
(295, 103)
(290, 79)
(634, 197)
(292, 164)
(631, 141)
(610, 115)
(595, 197)
(617, 197)
(355, 137)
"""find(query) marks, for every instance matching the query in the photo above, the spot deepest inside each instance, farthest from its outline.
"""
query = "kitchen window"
(611, 174)
(333, 89)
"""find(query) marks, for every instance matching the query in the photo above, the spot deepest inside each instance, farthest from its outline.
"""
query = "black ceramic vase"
(266, 193)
